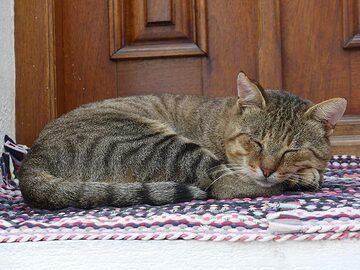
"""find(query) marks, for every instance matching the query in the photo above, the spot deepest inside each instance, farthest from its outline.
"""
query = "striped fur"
(160, 149)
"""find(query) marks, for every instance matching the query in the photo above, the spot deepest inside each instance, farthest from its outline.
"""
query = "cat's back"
(104, 115)
(148, 104)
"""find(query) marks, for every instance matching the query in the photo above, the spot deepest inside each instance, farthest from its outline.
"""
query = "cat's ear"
(328, 112)
(249, 92)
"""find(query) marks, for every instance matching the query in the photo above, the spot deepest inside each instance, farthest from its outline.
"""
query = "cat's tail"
(43, 190)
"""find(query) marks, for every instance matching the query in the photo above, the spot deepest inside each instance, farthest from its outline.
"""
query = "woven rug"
(332, 213)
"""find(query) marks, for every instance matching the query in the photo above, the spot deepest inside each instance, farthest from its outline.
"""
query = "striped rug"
(331, 213)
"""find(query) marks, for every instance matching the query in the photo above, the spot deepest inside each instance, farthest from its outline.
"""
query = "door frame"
(38, 66)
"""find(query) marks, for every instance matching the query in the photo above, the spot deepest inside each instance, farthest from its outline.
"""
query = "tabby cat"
(160, 149)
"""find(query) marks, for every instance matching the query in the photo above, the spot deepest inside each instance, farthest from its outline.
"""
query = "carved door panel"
(97, 49)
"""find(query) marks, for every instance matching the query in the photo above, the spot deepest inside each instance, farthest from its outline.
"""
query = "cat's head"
(274, 135)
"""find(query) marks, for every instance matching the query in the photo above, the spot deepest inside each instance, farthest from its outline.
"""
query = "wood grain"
(354, 100)
(176, 28)
(35, 73)
(351, 24)
(157, 51)
(63, 60)
(89, 75)
(348, 125)
(159, 12)
(178, 76)
(233, 42)
(57, 63)
(201, 34)
(269, 55)
(346, 138)
(345, 145)
(314, 64)
(138, 31)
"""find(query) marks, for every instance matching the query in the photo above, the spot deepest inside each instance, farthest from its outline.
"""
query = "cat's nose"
(267, 172)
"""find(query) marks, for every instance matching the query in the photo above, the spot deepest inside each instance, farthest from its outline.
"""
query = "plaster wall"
(7, 69)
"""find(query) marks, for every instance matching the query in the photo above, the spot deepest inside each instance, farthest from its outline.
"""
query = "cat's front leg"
(237, 186)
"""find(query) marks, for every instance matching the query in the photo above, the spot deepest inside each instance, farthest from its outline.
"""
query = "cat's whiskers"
(295, 183)
(298, 181)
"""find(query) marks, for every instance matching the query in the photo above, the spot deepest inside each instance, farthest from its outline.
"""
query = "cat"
(160, 149)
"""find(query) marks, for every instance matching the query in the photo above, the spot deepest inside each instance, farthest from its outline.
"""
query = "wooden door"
(71, 52)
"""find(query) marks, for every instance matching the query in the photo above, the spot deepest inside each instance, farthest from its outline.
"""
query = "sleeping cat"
(160, 149)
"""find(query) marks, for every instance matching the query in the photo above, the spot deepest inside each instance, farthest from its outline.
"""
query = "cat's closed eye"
(290, 152)
(259, 144)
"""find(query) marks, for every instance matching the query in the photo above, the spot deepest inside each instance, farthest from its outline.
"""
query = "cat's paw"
(306, 180)
(230, 187)
(226, 187)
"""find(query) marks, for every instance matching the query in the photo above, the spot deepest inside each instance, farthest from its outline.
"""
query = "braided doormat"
(332, 213)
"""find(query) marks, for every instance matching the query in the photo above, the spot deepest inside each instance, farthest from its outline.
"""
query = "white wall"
(181, 254)
(7, 69)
